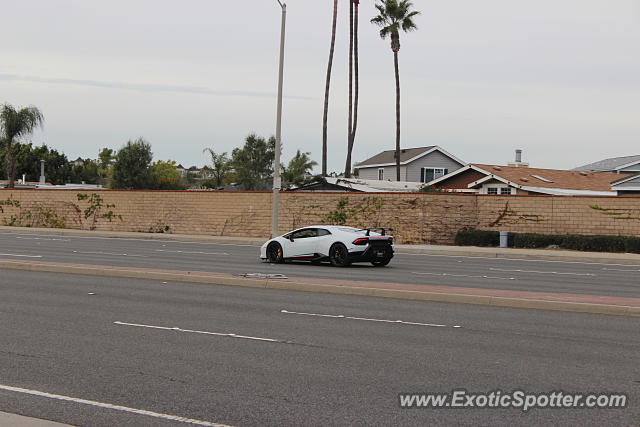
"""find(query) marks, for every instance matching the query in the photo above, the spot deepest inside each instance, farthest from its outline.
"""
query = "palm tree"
(299, 166)
(221, 166)
(353, 69)
(326, 90)
(395, 16)
(16, 124)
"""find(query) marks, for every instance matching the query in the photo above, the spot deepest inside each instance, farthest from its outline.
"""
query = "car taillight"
(391, 240)
(361, 241)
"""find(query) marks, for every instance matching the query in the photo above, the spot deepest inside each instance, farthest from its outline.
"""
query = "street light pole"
(275, 199)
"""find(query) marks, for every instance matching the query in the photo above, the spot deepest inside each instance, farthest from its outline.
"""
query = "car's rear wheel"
(339, 255)
(381, 262)
(274, 253)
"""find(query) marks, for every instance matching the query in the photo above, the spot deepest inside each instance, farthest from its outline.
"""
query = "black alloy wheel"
(339, 256)
(274, 253)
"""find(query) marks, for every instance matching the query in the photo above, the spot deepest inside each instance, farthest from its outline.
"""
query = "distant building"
(627, 164)
(627, 186)
(422, 164)
(359, 185)
(511, 180)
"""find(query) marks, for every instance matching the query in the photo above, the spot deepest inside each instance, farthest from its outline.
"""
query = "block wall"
(417, 218)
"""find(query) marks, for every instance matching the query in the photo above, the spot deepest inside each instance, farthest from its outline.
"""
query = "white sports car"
(337, 244)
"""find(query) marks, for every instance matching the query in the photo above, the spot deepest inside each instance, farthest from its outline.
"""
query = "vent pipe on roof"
(518, 163)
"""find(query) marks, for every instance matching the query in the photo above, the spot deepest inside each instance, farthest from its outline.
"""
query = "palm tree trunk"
(11, 170)
(354, 124)
(395, 61)
(347, 167)
(326, 90)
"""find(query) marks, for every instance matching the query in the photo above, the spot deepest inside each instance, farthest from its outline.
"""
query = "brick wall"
(416, 217)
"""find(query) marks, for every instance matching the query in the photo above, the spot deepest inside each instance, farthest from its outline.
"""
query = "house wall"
(432, 160)
(389, 173)
(418, 218)
(630, 169)
(411, 172)
(462, 180)
(632, 183)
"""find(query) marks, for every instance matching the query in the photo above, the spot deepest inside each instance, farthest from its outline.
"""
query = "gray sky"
(558, 78)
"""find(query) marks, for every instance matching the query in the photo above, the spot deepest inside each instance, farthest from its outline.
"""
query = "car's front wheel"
(339, 256)
(274, 253)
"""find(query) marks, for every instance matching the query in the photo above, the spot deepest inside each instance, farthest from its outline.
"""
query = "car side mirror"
(291, 237)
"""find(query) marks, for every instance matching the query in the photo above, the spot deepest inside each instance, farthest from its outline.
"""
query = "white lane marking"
(109, 253)
(463, 275)
(141, 240)
(191, 331)
(192, 252)
(111, 406)
(619, 269)
(340, 316)
(541, 272)
(41, 238)
(25, 256)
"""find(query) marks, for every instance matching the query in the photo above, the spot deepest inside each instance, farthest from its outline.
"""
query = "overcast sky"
(559, 79)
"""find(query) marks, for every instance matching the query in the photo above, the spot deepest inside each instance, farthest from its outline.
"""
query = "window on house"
(381, 174)
(492, 190)
(505, 191)
(429, 174)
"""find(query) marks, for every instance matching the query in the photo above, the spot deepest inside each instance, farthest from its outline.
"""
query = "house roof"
(407, 155)
(389, 156)
(547, 181)
(614, 163)
(553, 178)
(366, 185)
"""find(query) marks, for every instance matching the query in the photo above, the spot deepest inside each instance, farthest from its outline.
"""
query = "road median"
(450, 294)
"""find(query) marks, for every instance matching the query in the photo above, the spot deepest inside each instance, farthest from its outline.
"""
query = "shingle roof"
(609, 164)
(573, 180)
(389, 156)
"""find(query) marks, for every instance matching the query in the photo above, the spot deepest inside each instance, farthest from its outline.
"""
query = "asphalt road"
(543, 276)
(58, 335)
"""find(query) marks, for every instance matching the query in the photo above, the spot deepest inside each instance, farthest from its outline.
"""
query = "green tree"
(88, 173)
(105, 163)
(295, 172)
(395, 16)
(26, 158)
(165, 176)
(327, 86)
(131, 166)
(14, 125)
(105, 157)
(220, 166)
(253, 163)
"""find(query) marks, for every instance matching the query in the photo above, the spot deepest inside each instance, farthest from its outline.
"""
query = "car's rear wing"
(383, 230)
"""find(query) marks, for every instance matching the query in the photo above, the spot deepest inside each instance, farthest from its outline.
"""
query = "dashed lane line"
(367, 319)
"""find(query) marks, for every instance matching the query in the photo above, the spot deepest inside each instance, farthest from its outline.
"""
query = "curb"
(525, 254)
(189, 277)
(16, 420)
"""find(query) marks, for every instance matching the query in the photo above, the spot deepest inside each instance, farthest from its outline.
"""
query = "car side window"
(306, 233)
(323, 232)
